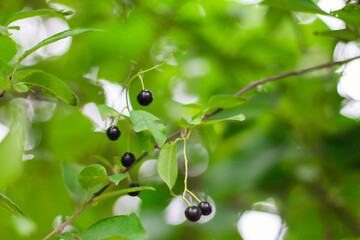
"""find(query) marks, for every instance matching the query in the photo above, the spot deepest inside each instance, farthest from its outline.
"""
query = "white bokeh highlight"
(174, 212)
(148, 172)
(328, 6)
(125, 205)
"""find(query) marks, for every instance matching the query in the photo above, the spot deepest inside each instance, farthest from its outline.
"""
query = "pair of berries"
(193, 213)
(144, 98)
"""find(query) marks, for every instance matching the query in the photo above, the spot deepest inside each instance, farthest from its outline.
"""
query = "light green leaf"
(126, 226)
(12, 148)
(7, 50)
(295, 5)
(121, 192)
(208, 136)
(239, 117)
(118, 178)
(224, 101)
(106, 111)
(167, 164)
(143, 120)
(38, 12)
(19, 87)
(146, 140)
(66, 236)
(70, 173)
(193, 106)
(53, 84)
(54, 38)
(342, 34)
(92, 175)
(7, 204)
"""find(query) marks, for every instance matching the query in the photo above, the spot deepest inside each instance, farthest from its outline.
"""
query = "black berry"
(132, 185)
(145, 97)
(113, 133)
(193, 213)
(127, 159)
(205, 207)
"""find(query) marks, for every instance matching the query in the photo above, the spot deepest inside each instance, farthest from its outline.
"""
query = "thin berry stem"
(186, 169)
(142, 82)
(193, 195)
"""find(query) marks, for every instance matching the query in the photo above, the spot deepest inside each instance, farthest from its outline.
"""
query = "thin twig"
(249, 86)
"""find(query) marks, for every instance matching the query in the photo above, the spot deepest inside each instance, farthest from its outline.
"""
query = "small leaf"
(121, 192)
(53, 84)
(146, 140)
(342, 34)
(106, 111)
(193, 106)
(67, 236)
(350, 14)
(167, 164)
(38, 12)
(12, 148)
(224, 101)
(54, 38)
(295, 5)
(143, 120)
(118, 178)
(22, 88)
(7, 50)
(126, 226)
(208, 136)
(92, 175)
(7, 204)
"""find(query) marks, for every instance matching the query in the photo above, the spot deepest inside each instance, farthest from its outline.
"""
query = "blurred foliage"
(294, 146)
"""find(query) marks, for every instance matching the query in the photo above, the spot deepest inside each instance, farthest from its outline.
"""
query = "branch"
(249, 86)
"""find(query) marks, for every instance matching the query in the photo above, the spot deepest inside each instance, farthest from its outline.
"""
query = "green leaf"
(38, 12)
(146, 140)
(208, 136)
(342, 34)
(106, 111)
(118, 178)
(53, 84)
(126, 226)
(350, 14)
(66, 236)
(19, 87)
(54, 38)
(295, 5)
(224, 101)
(92, 175)
(47, 93)
(193, 106)
(7, 204)
(12, 148)
(121, 192)
(7, 50)
(70, 173)
(167, 164)
(143, 120)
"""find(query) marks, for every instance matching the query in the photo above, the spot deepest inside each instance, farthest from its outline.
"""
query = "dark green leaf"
(52, 84)
(38, 12)
(7, 50)
(7, 204)
(146, 140)
(343, 34)
(295, 5)
(127, 226)
(142, 120)
(92, 175)
(224, 101)
(54, 38)
(208, 136)
(167, 164)
(350, 14)
(106, 111)
(118, 178)
(121, 192)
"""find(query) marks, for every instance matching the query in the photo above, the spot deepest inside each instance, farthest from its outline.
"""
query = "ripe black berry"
(113, 133)
(145, 97)
(127, 159)
(193, 213)
(132, 185)
(205, 207)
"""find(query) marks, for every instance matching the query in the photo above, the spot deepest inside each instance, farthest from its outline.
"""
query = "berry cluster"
(144, 98)
(193, 213)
